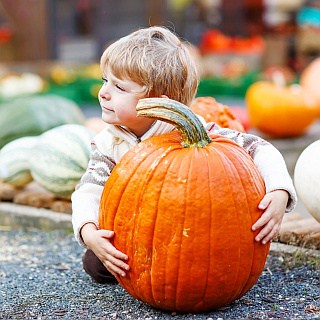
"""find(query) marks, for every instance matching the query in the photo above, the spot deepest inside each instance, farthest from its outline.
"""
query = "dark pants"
(94, 267)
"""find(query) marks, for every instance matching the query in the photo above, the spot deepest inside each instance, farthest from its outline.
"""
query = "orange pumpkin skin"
(183, 216)
(213, 111)
(280, 111)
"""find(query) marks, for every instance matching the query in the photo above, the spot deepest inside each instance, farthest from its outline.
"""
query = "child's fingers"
(263, 220)
(112, 251)
(116, 266)
(106, 233)
(265, 238)
(268, 232)
(264, 203)
(263, 234)
(115, 270)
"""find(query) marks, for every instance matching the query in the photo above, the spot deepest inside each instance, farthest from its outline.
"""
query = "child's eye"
(120, 88)
(104, 80)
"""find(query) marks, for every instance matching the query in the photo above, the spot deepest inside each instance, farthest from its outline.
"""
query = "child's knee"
(94, 267)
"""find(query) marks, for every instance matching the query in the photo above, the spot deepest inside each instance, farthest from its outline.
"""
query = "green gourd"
(31, 116)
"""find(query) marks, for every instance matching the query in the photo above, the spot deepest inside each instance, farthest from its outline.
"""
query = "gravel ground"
(41, 277)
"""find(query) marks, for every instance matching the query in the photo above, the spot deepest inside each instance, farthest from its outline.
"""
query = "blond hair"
(157, 59)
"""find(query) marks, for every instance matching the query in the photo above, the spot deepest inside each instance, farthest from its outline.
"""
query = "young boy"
(153, 62)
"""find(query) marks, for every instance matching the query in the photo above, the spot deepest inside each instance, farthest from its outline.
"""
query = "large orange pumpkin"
(213, 111)
(182, 205)
(280, 111)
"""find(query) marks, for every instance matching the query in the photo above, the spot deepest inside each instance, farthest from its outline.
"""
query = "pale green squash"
(31, 116)
(14, 161)
(60, 158)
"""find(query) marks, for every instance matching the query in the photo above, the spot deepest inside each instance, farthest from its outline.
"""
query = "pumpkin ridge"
(184, 227)
(125, 162)
(225, 166)
(161, 155)
(205, 291)
(152, 244)
(142, 184)
(163, 293)
(133, 218)
(114, 189)
(242, 249)
(106, 221)
(250, 280)
(207, 226)
(238, 288)
(248, 283)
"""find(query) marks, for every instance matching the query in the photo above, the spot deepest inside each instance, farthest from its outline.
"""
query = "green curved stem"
(191, 128)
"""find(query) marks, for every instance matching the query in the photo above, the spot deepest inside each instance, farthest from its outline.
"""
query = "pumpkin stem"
(191, 128)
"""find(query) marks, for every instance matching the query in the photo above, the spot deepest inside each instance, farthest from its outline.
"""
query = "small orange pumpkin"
(213, 111)
(280, 111)
(182, 205)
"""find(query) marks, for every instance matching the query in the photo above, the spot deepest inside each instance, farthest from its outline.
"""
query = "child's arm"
(99, 242)
(280, 193)
(86, 198)
(85, 211)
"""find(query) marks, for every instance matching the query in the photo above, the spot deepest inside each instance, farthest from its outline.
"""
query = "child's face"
(118, 100)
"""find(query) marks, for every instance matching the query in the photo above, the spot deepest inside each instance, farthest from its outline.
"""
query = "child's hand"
(99, 242)
(274, 205)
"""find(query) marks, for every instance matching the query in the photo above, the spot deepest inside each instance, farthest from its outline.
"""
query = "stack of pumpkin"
(43, 139)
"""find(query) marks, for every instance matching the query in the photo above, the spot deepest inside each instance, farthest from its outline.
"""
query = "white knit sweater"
(113, 142)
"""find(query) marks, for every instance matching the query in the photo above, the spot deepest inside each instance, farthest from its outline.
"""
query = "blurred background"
(78, 30)
(233, 40)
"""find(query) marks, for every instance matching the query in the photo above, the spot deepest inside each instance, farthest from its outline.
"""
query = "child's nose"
(104, 92)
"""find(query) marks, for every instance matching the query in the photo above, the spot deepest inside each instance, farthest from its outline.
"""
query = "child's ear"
(164, 96)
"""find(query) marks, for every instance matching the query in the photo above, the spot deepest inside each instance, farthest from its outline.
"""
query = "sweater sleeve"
(85, 208)
(274, 172)
(86, 198)
(267, 158)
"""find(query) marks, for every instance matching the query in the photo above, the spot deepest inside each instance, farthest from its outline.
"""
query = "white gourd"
(307, 177)
(60, 158)
(14, 161)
